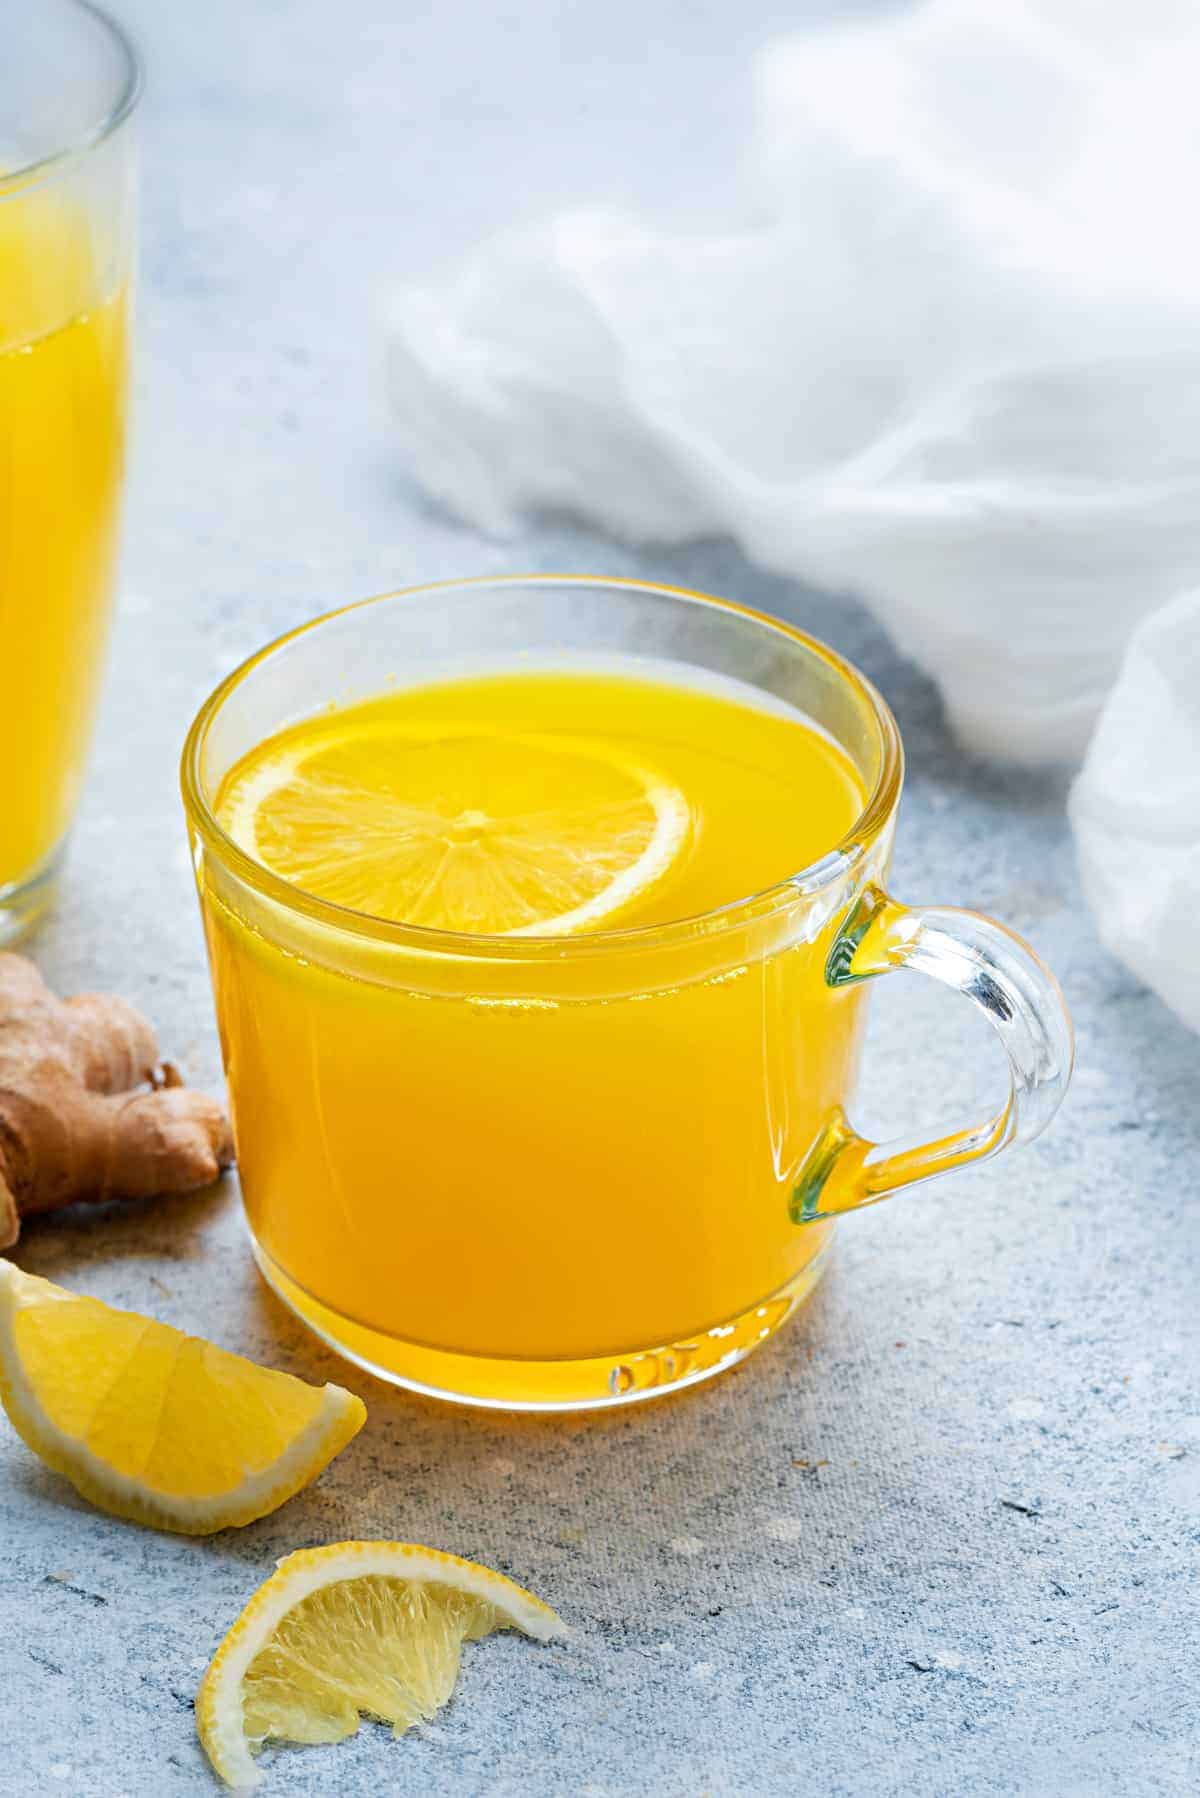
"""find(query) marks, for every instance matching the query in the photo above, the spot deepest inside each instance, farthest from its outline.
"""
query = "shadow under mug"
(399, 1092)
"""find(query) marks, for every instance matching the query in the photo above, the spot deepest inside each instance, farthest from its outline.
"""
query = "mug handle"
(1017, 994)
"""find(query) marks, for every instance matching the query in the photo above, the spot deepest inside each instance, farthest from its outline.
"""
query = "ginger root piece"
(73, 1122)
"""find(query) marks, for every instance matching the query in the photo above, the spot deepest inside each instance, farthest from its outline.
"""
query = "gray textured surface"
(810, 1576)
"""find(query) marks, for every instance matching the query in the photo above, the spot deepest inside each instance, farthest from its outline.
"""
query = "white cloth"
(954, 365)
(1136, 809)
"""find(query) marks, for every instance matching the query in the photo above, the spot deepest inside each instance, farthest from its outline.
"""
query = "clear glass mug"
(422, 1182)
(68, 87)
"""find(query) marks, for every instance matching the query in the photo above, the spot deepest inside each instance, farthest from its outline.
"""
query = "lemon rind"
(219, 1710)
(339, 1419)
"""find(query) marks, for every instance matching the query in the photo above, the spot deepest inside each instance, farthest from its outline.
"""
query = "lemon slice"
(154, 1425)
(375, 1628)
(460, 830)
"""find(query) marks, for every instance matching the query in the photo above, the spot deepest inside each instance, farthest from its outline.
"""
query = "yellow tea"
(543, 1160)
(62, 411)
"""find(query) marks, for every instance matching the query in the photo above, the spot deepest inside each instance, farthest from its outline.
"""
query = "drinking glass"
(574, 1171)
(68, 87)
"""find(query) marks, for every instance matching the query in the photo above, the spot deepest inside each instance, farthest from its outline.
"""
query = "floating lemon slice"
(375, 1628)
(154, 1425)
(465, 830)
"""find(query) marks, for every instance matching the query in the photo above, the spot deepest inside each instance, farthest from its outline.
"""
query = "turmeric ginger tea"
(479, 1171)
(62, 412)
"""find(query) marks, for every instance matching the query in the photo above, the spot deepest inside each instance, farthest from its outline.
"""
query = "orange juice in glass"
(67, 88)
(541, 914)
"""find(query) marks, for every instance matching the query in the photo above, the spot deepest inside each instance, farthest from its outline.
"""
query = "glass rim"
(834, 864)
(128, 94)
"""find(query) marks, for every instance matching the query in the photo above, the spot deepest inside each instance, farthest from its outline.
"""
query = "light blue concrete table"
(942, 1537)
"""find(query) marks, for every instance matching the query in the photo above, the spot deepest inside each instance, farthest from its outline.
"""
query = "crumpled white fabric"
(953, 364)
(1135, 809)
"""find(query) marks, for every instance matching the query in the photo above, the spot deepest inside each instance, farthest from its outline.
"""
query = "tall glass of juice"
(68, 87)
(542, 914)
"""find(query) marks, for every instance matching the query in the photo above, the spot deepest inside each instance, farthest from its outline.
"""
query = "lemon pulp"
(457, 828)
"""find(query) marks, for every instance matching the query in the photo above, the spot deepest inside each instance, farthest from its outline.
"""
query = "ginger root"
(73, 1124)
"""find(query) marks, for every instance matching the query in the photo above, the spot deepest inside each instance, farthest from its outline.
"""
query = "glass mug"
(570, 1172)
(68, 86)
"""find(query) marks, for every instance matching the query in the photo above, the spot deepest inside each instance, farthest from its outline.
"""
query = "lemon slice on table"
(372, 1628)
(469, 831)
(153, 1425)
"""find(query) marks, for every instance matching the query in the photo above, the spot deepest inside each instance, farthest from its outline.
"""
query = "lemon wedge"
(373, 1628)
(153, 1425)
(462, 830)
